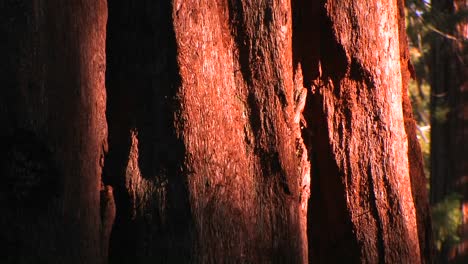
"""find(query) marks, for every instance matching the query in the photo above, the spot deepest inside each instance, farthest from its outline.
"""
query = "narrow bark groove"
(376, 215)
(330, 235)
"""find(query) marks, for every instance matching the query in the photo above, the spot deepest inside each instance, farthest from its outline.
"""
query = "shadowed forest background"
(438, 32)
(229, 131)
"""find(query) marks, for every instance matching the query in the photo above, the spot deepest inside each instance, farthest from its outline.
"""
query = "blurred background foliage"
(424, 24)
(446, 218)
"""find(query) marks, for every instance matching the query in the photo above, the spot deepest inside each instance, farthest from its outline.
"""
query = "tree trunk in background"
(209, 154)
(449, 113)
(52, 111)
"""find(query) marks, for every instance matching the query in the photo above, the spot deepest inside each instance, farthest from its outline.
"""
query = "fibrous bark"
(216, 112)
(360, 167)
(206, 89)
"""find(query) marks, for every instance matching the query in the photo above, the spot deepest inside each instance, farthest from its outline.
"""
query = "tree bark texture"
(220, 115)
(206, 88)
(54, 132)
(449, 113)
(360, 169)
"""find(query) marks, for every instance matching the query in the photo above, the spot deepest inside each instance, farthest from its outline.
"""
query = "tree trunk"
(361, 199)
(53, 136)
(449, 111)
(201, 95)
(216, 111)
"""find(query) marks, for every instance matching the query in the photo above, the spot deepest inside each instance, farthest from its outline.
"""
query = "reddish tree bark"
(361, 198)
(206, 89)
(216, 111)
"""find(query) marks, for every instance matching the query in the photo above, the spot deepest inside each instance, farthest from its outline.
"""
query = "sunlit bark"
(361, 197)
(216, 112)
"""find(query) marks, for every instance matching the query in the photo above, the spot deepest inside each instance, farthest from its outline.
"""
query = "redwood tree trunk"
(53, 136)
(204, 155)
(209, 154)
(361, 205)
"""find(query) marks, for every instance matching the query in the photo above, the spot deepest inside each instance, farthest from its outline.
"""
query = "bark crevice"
(323, 61)
(145, 163)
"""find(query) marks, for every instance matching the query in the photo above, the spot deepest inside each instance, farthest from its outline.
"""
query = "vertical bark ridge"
(215, 113)
(243, 199)
(418, 179)
(376, 90)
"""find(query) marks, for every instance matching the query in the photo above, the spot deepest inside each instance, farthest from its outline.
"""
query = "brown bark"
(53, 130)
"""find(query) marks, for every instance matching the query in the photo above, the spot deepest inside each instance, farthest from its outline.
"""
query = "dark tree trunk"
(145, 164)
(216, 111)
(449, 110)
(53, 136)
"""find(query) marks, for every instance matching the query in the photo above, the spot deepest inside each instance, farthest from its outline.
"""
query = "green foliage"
(446, 220)
(419, 89)
(423, 24)
(441, 113)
